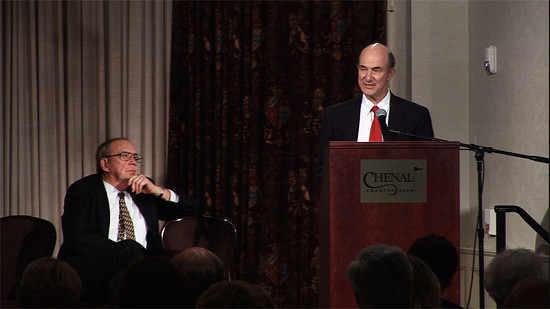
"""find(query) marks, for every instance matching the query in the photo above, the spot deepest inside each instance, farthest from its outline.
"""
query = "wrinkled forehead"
(119, 146)
(374, 57)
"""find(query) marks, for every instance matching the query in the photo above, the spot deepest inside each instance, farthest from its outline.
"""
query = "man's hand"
(142, 184)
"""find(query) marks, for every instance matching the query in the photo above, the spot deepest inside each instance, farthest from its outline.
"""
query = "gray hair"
(508, 268)
(103, 150)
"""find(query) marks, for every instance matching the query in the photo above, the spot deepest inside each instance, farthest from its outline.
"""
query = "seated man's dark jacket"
(86, 217)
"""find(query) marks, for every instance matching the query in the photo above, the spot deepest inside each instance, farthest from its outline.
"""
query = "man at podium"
(355, 119)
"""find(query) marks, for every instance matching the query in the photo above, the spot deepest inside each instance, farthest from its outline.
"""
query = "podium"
(388, 192)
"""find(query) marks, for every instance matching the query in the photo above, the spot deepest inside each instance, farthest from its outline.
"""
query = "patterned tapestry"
(249, 84)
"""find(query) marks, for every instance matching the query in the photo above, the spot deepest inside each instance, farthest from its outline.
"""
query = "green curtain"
(249, 82)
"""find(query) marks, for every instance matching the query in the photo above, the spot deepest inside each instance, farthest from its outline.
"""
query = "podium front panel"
(413, 192)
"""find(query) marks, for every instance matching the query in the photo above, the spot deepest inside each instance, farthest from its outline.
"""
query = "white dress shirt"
(366, 116)
(140, 227)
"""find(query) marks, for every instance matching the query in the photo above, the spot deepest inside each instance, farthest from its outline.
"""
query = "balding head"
(382, 50)
(198, 257)
(375, 69)
(199, 268)
(381, 277)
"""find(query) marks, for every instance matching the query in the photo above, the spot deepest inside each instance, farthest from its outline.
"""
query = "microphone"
(381, 115)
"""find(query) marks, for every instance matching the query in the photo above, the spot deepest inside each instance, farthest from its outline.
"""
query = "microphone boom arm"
(476, 148)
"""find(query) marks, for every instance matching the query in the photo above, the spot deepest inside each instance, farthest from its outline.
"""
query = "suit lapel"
(145, 207)
(397, 117)
(103, 207)
(353, 117)
(396, 112)
(148, 210)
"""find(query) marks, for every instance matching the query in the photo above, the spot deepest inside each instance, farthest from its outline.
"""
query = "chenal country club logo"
(393, 181)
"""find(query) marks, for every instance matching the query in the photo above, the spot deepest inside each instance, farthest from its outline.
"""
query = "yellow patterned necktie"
(125, 225)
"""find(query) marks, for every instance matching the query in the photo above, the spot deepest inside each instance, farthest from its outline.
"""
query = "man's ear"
(391, 73)
(103, 164)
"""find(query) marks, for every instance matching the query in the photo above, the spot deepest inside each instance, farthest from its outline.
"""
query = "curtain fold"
(75, 73)
(250, 80)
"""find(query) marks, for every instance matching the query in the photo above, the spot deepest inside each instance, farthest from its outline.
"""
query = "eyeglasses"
(126, 156)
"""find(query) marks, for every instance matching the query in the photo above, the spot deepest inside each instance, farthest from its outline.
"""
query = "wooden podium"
(389, 192)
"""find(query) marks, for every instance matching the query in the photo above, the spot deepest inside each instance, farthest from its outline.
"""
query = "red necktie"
(375, 130)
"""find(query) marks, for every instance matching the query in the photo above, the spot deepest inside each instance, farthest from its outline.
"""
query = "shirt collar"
(384, 104)
(111, 190)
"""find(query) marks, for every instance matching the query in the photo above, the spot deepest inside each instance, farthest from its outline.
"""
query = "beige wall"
(439, 46)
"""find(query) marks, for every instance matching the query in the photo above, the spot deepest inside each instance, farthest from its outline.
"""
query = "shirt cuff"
(174, 198)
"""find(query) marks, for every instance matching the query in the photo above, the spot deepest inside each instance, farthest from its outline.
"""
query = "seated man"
(508, 268)
(442, 257)
(199, 268)
(49, 283)
(235, 294)
(425, 285)
(381, 277)
(111, 218)
(152, 282)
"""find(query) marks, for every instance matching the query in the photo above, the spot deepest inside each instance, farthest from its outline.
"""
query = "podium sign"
(388, 192)
(393, 181)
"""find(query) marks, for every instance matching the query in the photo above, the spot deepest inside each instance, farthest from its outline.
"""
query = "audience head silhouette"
(381, 277)
(152, 282)
(199, 268)
(49, 282)
(442, 257)
(439, 254)
(508, 268)
(425, 285)
(530, 292)
(235, 294)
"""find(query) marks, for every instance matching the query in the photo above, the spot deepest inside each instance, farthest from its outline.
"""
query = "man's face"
(373, 72)
(118, 170)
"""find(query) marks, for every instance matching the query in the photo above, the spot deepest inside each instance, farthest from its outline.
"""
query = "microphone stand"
(479, 156)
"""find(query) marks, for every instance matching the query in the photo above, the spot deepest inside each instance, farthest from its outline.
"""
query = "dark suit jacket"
(340, 122)
(85, 220)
